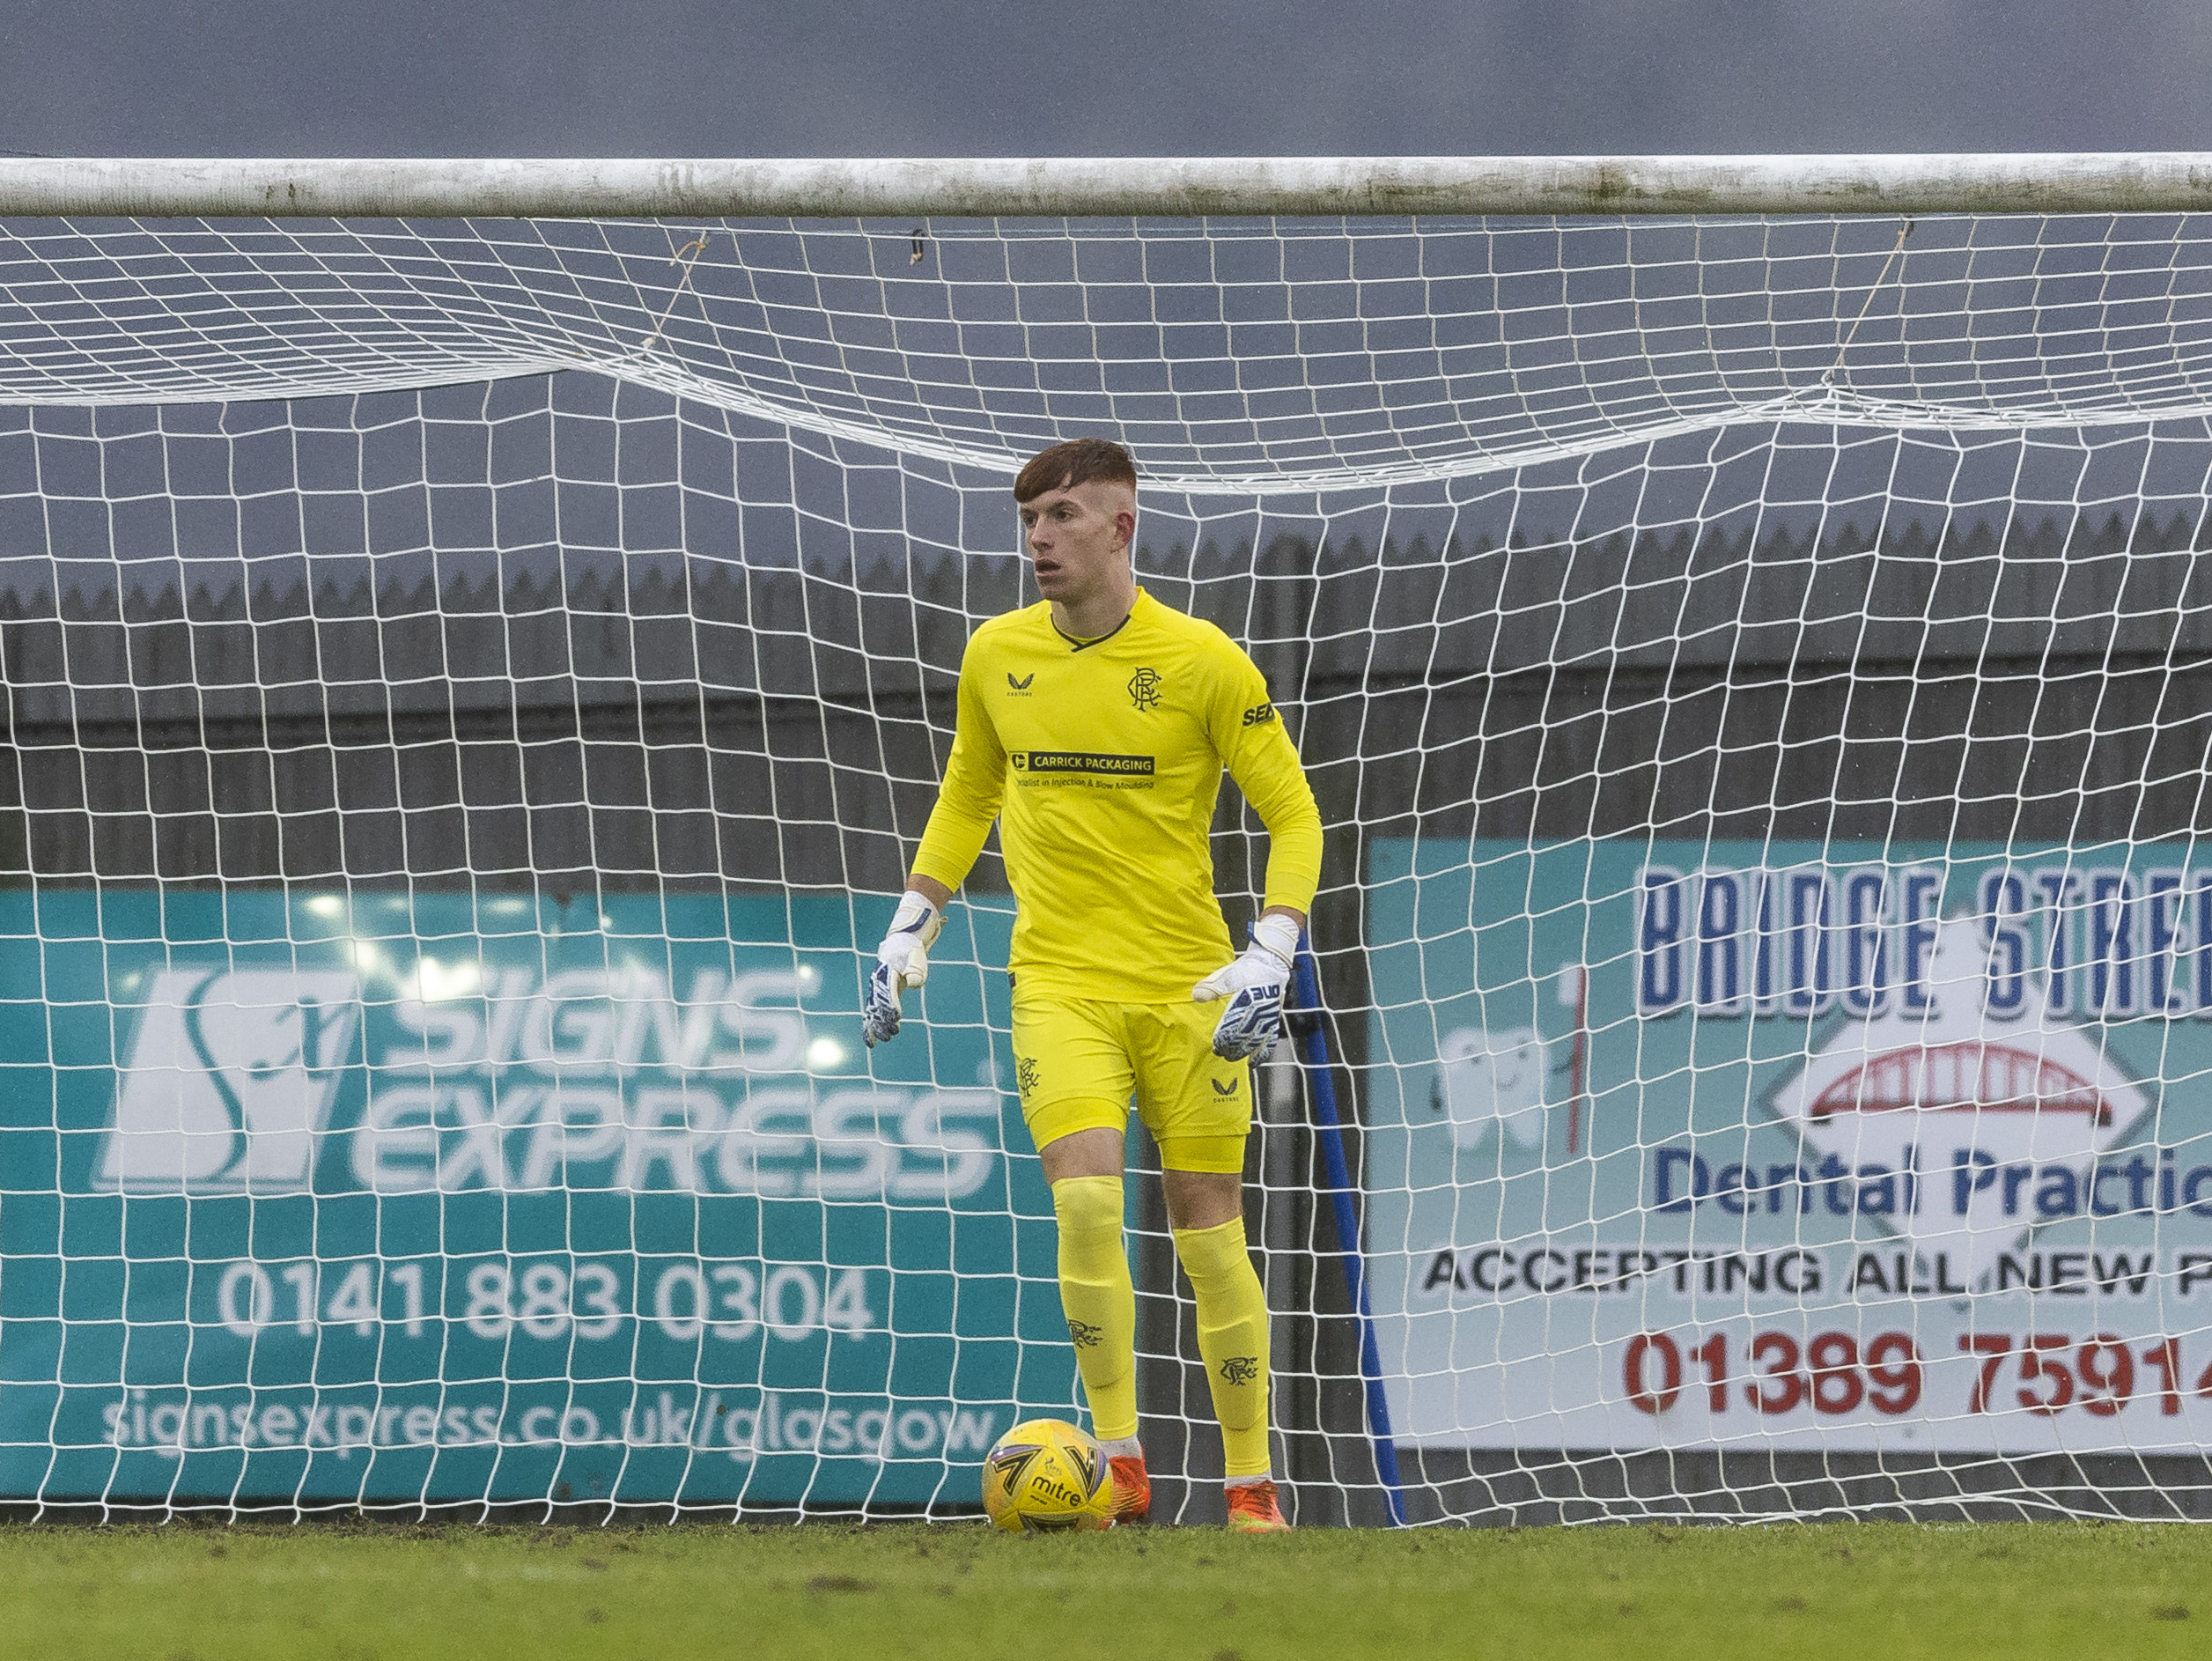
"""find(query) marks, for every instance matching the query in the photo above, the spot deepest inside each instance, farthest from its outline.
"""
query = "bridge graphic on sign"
(1974, 1074)
(1955, 1086)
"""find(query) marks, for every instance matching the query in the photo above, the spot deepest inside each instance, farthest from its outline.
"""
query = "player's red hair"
(1072, 462)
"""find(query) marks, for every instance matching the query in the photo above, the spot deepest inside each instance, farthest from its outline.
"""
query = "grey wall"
(691, 724)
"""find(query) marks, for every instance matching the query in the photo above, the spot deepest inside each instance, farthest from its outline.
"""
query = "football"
(1047, 1477)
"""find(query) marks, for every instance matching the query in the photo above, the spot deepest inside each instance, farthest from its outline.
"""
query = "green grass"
(913, 1592)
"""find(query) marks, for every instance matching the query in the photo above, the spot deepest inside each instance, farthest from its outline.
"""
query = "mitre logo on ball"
(1954, 1091)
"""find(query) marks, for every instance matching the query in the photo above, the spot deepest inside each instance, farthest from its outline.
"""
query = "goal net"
(474, 686)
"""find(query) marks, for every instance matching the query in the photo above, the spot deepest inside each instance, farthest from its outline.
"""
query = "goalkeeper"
(1094, 726)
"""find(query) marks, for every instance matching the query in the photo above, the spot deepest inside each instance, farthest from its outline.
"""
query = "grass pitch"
(913, 1592)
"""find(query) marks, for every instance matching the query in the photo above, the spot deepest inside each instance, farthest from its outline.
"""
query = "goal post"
(480, 636)
(1328, 187)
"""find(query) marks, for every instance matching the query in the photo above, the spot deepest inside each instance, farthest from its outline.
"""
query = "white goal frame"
(1325, 186)
(92, 194)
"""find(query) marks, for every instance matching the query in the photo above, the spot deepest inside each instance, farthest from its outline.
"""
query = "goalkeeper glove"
(1253, 985)
(901, 961)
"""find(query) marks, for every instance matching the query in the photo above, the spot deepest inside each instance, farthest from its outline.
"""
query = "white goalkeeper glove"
(1254, 986)
(901, 961)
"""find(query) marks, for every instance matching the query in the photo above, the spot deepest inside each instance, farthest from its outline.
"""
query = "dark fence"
(712, 723)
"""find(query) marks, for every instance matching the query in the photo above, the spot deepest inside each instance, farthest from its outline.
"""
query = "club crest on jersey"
(1144, 688)
(1019, 688)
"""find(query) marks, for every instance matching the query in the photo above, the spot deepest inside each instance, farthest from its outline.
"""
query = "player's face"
(1078, 539)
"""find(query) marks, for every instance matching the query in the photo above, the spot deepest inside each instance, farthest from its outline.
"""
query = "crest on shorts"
(1144, 688)
(1025, 1074)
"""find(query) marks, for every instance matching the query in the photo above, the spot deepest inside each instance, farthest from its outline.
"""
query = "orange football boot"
(1253, 1509)
(1132, 1488)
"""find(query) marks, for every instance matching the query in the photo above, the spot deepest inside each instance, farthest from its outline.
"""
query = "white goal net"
(474, 687)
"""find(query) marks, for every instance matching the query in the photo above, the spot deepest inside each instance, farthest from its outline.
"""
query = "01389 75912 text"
(1775, 1372)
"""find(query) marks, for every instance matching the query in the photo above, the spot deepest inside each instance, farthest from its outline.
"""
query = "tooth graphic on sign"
(1957, 1088)
(230, 1075)
(1488, 1078)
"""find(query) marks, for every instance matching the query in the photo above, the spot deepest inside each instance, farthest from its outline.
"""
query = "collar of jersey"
(1076, 645)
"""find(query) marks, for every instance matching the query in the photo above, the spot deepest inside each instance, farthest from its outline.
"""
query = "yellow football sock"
(1232, 1339)
(1097, 1299)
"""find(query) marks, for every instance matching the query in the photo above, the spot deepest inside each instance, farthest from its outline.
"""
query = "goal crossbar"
(1325, 186)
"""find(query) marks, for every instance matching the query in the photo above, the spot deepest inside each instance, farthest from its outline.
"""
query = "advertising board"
(1840, 1147)
(447, 1196)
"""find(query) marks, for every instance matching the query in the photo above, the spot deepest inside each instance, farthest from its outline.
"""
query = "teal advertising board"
(1846, 1146)
(387, 1198)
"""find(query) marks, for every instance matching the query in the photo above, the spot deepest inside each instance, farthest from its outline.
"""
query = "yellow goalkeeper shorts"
(1078, 1063)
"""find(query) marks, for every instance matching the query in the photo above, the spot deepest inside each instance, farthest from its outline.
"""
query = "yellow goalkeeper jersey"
(1103, 760)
